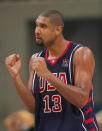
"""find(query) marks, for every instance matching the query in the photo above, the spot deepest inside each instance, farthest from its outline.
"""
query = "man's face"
(45, 31)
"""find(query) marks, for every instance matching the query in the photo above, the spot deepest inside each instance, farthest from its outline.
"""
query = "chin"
(38, 42)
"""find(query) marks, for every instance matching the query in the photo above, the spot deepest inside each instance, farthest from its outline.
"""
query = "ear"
(59, 30)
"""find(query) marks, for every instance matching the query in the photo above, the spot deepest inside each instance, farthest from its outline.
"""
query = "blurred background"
(83, 24)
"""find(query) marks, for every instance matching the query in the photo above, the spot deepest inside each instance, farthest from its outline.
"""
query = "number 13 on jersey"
(57, 107)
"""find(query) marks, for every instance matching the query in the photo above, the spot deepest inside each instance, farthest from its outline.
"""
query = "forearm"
(24, 93)
(74, 94)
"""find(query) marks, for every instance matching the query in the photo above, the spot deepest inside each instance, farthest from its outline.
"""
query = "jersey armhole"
(33, 82)
(71, 74)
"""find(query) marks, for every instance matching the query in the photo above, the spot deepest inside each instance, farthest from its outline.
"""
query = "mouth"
(38, 39)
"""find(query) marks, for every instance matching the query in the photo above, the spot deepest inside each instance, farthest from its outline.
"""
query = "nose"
(37, 31)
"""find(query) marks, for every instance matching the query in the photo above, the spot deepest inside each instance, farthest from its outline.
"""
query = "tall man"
(59, 90)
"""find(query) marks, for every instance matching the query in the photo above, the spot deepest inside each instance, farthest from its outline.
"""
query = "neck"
(57, 48)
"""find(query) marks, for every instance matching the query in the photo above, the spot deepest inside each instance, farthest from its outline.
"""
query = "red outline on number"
(63, 73)
(48, 84)
(41, 89)
(54, 107)
(46, 104)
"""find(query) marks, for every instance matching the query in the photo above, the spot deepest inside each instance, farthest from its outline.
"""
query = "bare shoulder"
(83, 51)
(83, 61)
(83, 54)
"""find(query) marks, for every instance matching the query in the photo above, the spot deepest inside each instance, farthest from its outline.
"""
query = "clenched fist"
(38, 64)
(13, 63)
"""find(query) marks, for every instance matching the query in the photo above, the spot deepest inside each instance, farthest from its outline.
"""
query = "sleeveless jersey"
(53, 112)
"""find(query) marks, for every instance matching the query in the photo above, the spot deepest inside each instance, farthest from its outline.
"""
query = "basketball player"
(60, 89)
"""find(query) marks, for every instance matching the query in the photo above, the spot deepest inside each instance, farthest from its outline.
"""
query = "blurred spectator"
(20, 121)
(99, 119)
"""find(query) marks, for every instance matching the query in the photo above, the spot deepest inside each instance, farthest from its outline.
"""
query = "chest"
(51, 100)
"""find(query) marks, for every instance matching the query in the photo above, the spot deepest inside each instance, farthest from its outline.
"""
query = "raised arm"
(13, 63)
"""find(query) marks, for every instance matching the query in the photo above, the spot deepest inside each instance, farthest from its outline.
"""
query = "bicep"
(83, 69)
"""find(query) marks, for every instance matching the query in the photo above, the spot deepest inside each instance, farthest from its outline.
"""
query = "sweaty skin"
(52, 38)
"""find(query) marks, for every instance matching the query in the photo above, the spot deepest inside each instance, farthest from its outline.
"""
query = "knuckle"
(35, 55)
(12, 55)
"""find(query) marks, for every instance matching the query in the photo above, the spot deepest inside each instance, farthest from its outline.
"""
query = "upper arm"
(30, 82)
(84, 65)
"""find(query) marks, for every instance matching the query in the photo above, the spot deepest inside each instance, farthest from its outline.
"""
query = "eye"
(43, 26)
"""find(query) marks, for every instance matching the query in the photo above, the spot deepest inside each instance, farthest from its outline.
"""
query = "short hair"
(54, 16)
